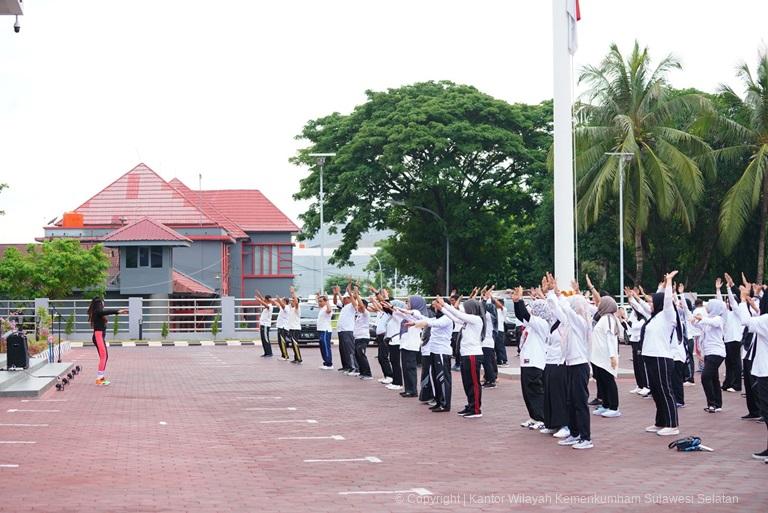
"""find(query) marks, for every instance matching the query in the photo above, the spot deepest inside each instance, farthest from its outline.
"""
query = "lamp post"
(381, 273)
(320, 158)
(624, 157)
(447, 242)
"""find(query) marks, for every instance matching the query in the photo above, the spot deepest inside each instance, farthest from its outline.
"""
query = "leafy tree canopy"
(471, 159)
(54, 270)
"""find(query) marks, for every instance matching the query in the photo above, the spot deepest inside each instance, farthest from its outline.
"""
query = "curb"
(175, 343)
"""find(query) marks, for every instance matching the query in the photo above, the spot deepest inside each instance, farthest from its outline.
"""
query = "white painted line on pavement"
(307, 421)
(44, 400)
(14, 410)
(290, 408)
(332, 437)
(163, 423)
(6, 465)
(23, 425)
(369, 459)
(15, 442)
(258, 397)
(417, 491)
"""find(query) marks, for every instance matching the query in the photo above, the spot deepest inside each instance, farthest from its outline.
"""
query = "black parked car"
(308, 333)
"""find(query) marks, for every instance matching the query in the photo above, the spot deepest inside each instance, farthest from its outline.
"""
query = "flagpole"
(565, 260)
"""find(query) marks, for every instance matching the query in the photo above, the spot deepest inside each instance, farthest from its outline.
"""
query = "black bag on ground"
(18, 351)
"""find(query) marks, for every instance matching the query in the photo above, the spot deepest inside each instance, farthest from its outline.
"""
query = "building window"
(267, 260)
(143, 256)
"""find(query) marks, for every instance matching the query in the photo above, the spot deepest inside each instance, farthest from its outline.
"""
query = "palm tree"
(751, 149)
(630, 108)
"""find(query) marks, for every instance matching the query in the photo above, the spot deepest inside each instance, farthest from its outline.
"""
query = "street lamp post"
(320, 158)
(381, 273)
(447, 242)
(624, 157)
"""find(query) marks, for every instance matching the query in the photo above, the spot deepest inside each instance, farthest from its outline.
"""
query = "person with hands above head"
(575, 314)
(455, 301)
(533, 357)
(658, 334)
(410, 341)
(362, 334)
(733, 332)
(382, 343)
(265, 322)
(325, 330)
(637, 319)
(345, 328)
(758, 326)
(282, 327)
(604, 357)
(294, 324)
(600, 394)
(693, 332)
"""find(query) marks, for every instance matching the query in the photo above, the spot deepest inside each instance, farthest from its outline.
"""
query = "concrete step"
(8, 378)
(33, 382)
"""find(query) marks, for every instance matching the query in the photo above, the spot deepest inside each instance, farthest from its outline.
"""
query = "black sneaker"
(343, 369)
(473, 415)
(750, 416)
(465, 411)
(761, 455)
(489, 385)
(595, 402)
(440, 409)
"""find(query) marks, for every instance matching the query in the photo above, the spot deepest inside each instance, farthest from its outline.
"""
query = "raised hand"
(575, 285)
(517, 294)
(589, 282)
(719, 282)
(744, 279)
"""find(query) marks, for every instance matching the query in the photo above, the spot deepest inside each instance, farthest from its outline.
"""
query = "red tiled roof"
(251, 210)
(183, 284)
(203, 204)
(145, 229)
(139, 193)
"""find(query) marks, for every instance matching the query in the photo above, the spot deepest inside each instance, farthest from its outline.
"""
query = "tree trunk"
(761, 238)
(638, 257)
(440, 280)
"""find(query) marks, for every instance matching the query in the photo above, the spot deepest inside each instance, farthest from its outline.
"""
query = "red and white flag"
(574, 15)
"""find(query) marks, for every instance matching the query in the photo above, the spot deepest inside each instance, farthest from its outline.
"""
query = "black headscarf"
(658, 307)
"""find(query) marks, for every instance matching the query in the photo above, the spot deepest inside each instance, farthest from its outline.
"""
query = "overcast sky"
(88, 89)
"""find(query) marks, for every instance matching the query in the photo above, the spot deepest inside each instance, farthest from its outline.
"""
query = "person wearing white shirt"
(758, 326)
(713, 349)
(382, 318)
(473, 318)
(661, 331)
(293, 322)
(455, 301)
(440, 328)
(574, 312)
(362, 334)
(605, 355)
(636, 321)
(410, 343)
(265, 322)
(490, 366)
(325, 330)
(345, 328)
(733, 332)
(499, 333)
(282, 328)
(533, 358)
(392, 336)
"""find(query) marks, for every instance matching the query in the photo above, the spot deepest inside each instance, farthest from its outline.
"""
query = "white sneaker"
(599, 410)
(731, 390)
(385, 381)
(527, 423)
(394, 387)
(353, 373)
(563, 432)
(644, 392)
(547, 431)
(611, 413)
(718, 409)
(583, 444)
(323, 367)
(668, 431)
(635, 390)
(652, 429)
(571, 440)
(536, 425)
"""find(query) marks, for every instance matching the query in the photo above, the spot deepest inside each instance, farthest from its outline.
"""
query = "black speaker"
(18, 351)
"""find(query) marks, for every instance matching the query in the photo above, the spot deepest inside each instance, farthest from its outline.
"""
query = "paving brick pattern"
(173, 434)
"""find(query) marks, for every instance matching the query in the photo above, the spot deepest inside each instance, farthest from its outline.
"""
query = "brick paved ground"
(174, 434)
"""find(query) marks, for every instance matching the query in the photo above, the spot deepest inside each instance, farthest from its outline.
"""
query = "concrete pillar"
(228, 317)
(135, 309)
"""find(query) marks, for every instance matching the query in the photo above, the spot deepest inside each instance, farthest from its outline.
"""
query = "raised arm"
(669, 299)
(593, 290)
(462, 316)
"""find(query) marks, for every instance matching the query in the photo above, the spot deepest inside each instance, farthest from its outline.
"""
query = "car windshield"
(308, 311)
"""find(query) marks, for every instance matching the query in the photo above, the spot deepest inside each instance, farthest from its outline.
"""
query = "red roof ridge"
(183, 189)
(292, 226)
(172, 234)
(178, 276)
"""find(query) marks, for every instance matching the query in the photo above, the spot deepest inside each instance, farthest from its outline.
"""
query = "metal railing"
(180, 315)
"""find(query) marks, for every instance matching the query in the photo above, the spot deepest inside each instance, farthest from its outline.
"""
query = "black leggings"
(577, 377)
(383, 355)
(394, 358)
(409, 370)
(710, 380)
(361, 344)
(638, 365)
(606, 383)
(555, 393)
(660, 380)
(732, 366)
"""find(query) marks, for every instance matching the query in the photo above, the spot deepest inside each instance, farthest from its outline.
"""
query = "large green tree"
(629, 109)
(472, 159)
(54, 270)
(747, 129)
